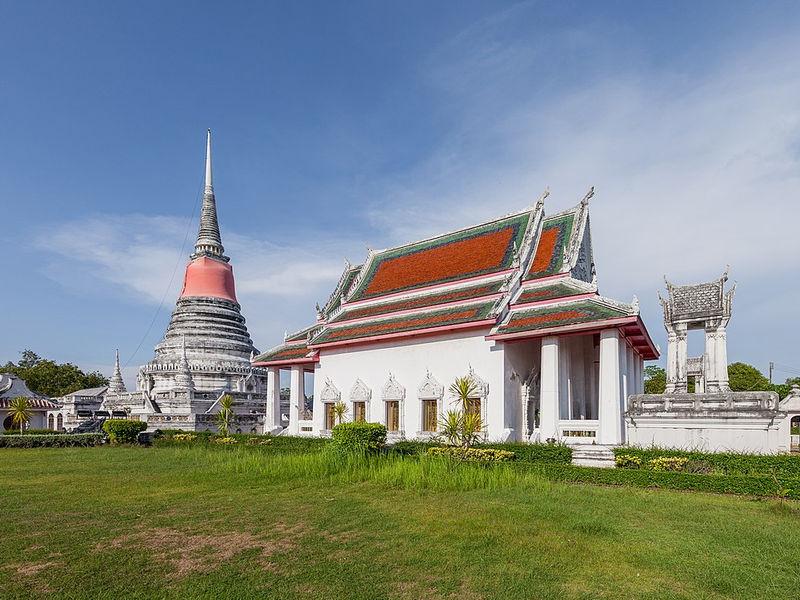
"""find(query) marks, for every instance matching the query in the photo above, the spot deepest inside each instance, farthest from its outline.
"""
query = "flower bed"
(65, 440)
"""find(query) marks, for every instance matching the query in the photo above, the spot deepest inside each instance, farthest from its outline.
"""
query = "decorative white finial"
(209, 180)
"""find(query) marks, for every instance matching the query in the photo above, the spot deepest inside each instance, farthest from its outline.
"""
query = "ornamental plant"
(668, 463)
(19, 409)
(359, 437)
(226, 418)
(462, 427)
(123, 431)
(339, 411)
(473, 454)
(628, 461)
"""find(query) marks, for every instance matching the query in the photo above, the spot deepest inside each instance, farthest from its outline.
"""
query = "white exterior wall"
(746, 435)
(446, 357)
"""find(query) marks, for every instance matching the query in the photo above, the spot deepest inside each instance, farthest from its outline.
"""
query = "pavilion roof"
(412, 302)
(436, 320)
(464, 254)
(555, 243)
(552, 290)
(286, 354)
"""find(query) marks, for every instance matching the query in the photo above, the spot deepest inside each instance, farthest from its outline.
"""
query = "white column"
(296, 398)
(610, 426)
(640, 374)
(273, 418)
(565, 390)
(682, 358)
(630, 361)
(710, 360)
(548, 395)
(722, 359)
(672, 361)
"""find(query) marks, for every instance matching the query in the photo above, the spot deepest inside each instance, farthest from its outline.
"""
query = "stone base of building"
(743, 422)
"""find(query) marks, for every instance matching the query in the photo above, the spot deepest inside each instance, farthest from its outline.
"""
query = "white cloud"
(140, 256)
(693, 171)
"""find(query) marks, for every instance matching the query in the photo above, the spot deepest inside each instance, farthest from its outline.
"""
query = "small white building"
(513, 303)
(12, 387)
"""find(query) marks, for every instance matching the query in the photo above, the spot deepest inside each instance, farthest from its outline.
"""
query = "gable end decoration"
(330, 393)
(392, 390)
(360, 392)
(430, 388)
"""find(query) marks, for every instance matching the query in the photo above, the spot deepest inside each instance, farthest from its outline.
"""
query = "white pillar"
(682, 357)
(630, 362)
(710, 360)
(672, 361)
(296, 399)
(610, 426)
(548, 394)
(273, 417)
(640, 374)
(722, 359)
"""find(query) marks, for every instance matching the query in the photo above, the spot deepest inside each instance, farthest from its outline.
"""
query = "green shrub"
(668, 463)
(359, 436)
(66, 440)
(627, 461)
(525, 452)
(751, 485)
(473, 454)
(226, 441)
(32, 432)
(725, 463)
(123, 431)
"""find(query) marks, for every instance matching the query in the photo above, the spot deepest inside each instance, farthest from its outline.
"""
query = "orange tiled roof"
(471, 252)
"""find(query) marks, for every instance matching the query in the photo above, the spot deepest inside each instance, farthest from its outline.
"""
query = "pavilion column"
(682, 359)
(549, 384)
(672, 361)
(722, 359)
(611, 381)
(273, 418)
(640, 376)
(296, 398)
(630, 361)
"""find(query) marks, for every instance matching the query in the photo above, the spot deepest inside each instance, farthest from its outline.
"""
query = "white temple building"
(513, 303)
(204, 355)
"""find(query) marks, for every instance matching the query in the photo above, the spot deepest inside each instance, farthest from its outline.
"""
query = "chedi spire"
(209, 241)
(116, 384)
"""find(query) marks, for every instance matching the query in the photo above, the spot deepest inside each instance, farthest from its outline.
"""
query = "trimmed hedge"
(472, 454)
(66, 440)
(551, 453)
(123, 431)
(283, 444)
(32, 432)
(751, 485)
(358, 436)
(724, 463)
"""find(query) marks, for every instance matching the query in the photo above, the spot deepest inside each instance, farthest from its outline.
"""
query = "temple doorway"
(794, 434)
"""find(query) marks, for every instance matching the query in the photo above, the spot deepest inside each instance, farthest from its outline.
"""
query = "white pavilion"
(513, 303)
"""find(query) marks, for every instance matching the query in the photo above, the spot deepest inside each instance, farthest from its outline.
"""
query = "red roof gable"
(480, 250)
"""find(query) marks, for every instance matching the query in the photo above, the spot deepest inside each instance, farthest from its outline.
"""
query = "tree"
(462, 427)
(339, 411)
(655, 381)
(746, 378)
(19, 409)
(51, 379)
(226, 418)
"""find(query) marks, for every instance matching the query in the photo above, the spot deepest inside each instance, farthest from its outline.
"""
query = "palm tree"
(19, 409)
(464, 388)
(463, 427)
(339, 411)
(226, 418)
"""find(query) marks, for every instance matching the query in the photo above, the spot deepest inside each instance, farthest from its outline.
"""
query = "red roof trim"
(538, 333)
(411, 311)
(422, 291)
(558, 300)
(413, 333)
(294, 361)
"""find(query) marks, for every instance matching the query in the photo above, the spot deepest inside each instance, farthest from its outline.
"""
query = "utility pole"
(771, 367)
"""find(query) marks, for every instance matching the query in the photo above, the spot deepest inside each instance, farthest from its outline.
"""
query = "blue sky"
(343, 126)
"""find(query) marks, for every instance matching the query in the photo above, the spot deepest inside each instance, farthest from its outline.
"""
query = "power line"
(172, 277)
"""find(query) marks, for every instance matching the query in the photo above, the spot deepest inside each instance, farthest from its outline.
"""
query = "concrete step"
(593, 456)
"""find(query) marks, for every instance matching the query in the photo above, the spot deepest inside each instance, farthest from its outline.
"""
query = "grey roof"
(12, 386)
(95, 391)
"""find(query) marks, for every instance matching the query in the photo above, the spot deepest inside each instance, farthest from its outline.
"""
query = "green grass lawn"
(236, 523)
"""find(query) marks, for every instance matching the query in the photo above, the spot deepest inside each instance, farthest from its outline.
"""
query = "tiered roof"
(522, 275)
